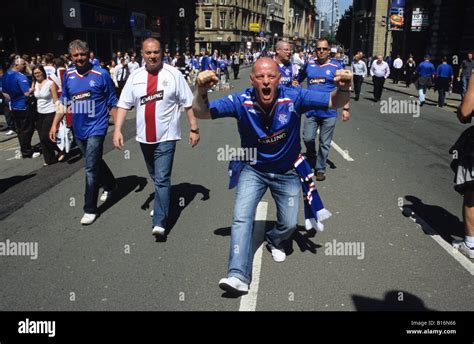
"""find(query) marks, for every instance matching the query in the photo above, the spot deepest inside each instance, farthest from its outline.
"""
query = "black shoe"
(356, 99)
(320, 176)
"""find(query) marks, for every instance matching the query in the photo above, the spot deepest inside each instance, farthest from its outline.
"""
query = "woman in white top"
(47, 95)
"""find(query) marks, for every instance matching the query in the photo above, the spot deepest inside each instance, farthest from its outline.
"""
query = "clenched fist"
(343, 78)
(207, 79)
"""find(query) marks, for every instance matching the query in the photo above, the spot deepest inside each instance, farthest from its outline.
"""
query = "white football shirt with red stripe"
(158, 99)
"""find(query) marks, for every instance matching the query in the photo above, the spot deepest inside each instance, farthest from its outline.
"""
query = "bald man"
(288, 70)
(157, 91)
(269, 119)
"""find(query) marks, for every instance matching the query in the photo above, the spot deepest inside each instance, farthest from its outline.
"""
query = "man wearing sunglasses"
(320, 74)
(89, 92)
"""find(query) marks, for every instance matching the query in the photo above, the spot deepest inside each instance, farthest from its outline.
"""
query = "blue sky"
(344, 5)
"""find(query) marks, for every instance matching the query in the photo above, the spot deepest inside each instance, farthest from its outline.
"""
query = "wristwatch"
(195, 131)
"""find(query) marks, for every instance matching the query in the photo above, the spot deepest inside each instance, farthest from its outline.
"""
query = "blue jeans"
(465, 82)
(97, 172)
(159, 162)
(286, 191)
(326, 130)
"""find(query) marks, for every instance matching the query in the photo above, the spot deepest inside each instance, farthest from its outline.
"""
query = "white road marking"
(248, 302)
(344, 153)
(464, 261)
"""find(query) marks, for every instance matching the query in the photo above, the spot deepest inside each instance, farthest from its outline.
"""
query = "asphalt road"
(399, 161)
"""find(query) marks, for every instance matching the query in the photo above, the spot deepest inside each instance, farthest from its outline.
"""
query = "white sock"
(469, 240)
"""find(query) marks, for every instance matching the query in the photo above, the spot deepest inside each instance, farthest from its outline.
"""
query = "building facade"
(30, 27)
(436, 27)
(300, 21)
(241, 25)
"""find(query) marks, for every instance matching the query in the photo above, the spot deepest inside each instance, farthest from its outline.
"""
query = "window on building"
(222, 25)
(208, 20)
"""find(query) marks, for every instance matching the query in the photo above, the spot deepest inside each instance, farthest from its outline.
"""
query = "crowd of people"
(79, 92)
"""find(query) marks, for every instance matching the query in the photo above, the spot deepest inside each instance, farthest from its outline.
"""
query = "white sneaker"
(10, 132)
(105, 195)
(157, 230)
(88, 219)
(233, 285)
(278, 255)
(464, 249)
(152, 212)
(36, 154)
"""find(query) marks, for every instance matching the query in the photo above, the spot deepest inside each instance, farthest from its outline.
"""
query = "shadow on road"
(7, 183)
(442, 221)
(395, 300)
(300, 236)
(125, 185)
(181, 196)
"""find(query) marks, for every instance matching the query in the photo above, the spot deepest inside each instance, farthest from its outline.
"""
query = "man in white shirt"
(157, 91)
(397, 69)
(379, 72)
(133, 65)
(359, 70)
(121, 75)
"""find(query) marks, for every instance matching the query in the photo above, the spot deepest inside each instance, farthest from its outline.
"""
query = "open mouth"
(266, 91)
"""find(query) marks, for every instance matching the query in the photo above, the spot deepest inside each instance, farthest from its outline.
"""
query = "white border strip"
(248, 302)
(464, 261)
(344, 154)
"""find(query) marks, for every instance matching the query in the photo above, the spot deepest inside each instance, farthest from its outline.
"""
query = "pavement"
(452, 100)
(386, 247)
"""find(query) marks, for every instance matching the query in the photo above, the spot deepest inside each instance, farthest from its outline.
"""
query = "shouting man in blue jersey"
(89, 92)
(269, 119)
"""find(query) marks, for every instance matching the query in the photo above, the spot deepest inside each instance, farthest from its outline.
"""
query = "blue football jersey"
(320, 78)
(275, 136)
(288, 73)
(90, 97)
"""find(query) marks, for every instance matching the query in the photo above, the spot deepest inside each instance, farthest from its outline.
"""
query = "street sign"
(254, 27)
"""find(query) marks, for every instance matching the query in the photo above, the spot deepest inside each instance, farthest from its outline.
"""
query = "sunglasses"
(79, 54)
(322, 49)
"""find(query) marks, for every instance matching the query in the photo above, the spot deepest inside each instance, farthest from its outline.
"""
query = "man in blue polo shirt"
(444, 80)
(320, 74)
(17, 88)
(268, 117)
(425, 71)
(89, 91)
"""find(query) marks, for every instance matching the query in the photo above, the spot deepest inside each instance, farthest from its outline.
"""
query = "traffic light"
(383, 22)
